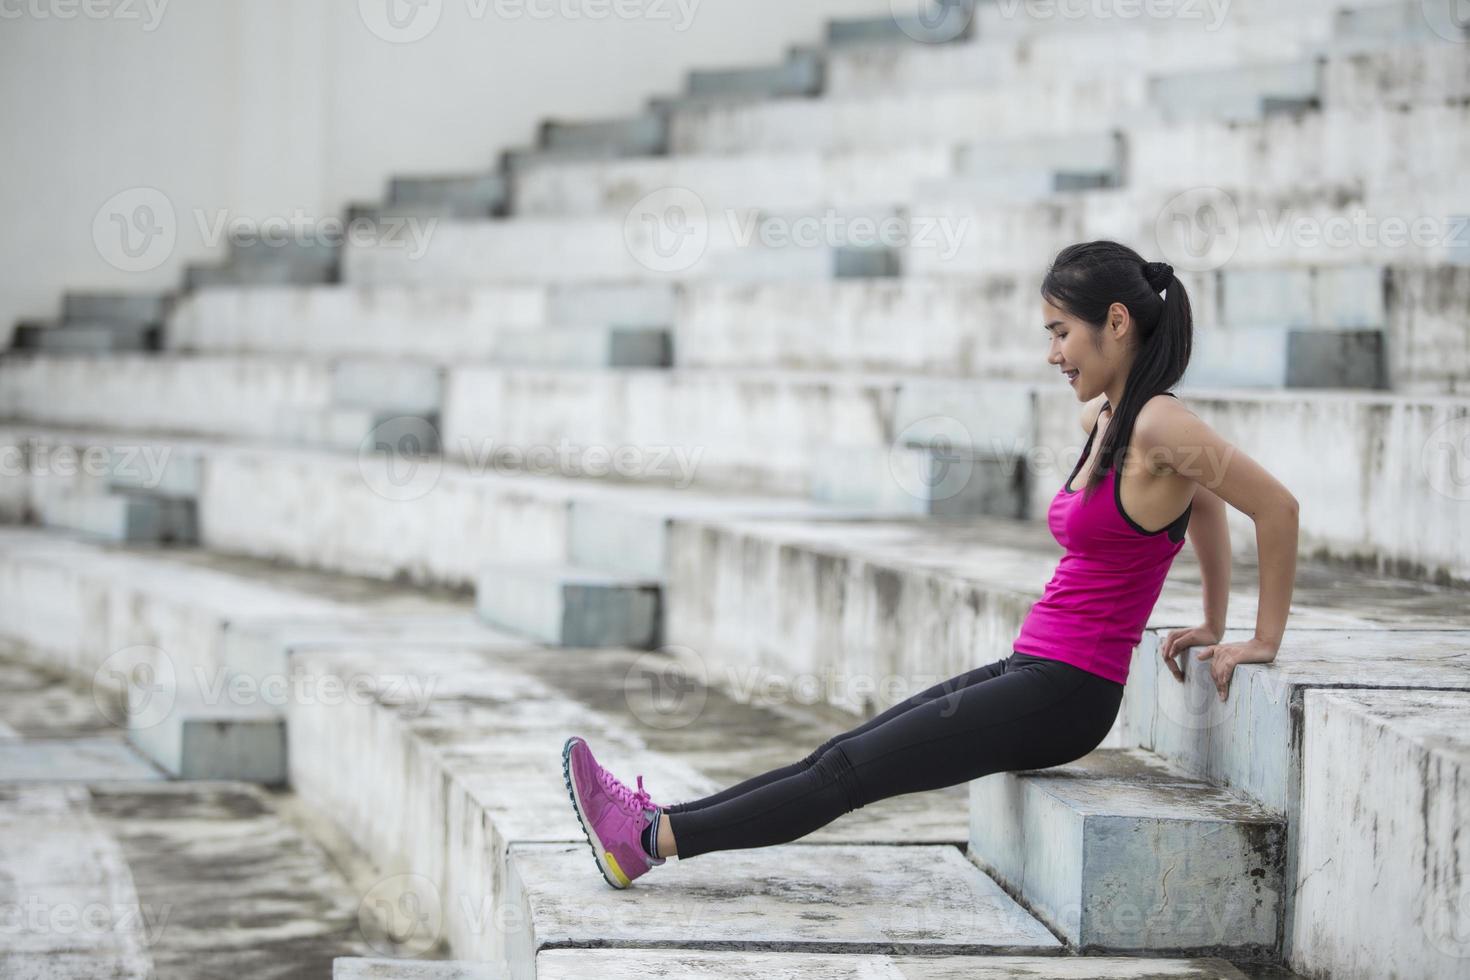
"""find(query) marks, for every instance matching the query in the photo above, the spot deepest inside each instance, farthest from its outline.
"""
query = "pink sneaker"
(612, 815)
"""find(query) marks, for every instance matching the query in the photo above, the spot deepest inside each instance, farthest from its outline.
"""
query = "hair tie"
(1158, 275)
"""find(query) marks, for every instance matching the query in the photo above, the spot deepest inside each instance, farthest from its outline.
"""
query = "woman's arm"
(1174, 435)
(1210, 536)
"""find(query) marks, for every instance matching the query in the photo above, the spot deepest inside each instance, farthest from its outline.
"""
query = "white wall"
(264, 107)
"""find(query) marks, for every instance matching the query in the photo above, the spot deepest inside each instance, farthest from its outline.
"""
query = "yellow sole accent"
(623, 879)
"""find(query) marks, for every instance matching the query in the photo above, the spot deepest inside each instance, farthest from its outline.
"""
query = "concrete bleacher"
(311, 438)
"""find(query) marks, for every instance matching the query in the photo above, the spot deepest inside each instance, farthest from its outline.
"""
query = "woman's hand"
(1224, 656)
(1180, 640)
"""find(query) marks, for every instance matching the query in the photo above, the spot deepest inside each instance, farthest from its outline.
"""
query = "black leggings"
(1020, 712)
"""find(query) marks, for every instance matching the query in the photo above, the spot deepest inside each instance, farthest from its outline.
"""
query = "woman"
(1055, 698)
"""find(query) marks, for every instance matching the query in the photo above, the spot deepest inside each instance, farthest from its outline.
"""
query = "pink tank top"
(1096, 605)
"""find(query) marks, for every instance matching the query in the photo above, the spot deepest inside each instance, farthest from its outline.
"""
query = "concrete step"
(1398, 24)
(682, 418)
(467, 781)
(1060, 104)
(1384, 776)
(388, 384)
(776, 181)
(565, 605)
(814, 179)
(925, 900)
(236, 275)
(1267, 357)
(448, 325)
(215, 737)
(129, 517)
(219, 396)
(1120, 851)
(634, 964)
(89, 759)
(463, 196)
(645, 134)
(1238, 93)
(140, 866)
(1245, 225)
(587, 347)
(671, 414)
(940, 23)
(1227, 36)
(973, 582)
(85, 337)
(936, 473)
(103, 614)
(799, 75)
(679, 238)
(1307, 150)
(365, 968)
(141, 308)
(1254, 742)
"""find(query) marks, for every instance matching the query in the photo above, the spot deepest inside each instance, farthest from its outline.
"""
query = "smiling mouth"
(1071, 375)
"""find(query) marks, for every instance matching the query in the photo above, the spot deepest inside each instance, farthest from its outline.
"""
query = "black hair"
(1084, 280)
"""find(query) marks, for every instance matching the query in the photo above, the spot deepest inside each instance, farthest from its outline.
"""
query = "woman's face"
(1077, 347)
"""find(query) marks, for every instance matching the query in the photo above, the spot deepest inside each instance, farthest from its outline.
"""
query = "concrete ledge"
(640, 964)
(1119, 851)
(361, 968)
(128, 517)
(71, 760)
(794, 897)
(1385, 800)
(217, 741)
(569, 606)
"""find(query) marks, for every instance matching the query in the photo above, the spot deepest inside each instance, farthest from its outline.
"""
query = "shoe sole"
(607, 866)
